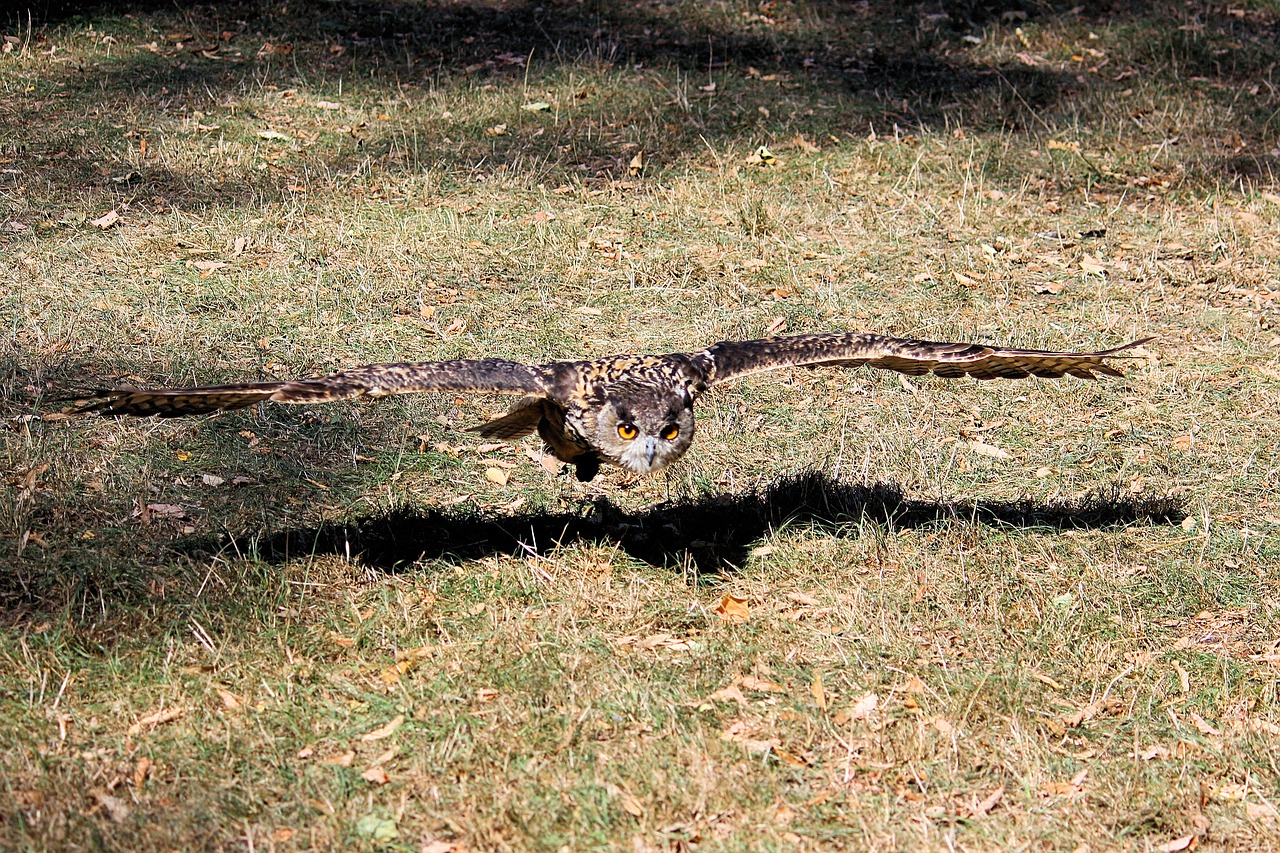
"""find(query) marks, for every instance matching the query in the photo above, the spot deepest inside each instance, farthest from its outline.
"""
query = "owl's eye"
(627, 431)
(669, 432)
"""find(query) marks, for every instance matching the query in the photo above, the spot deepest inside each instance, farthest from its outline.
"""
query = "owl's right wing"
(372, 380)
(733, 359)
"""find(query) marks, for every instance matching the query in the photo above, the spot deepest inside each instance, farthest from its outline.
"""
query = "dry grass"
(321, 628)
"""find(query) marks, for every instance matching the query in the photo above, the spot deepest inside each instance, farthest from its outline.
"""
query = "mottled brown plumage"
(634, 411)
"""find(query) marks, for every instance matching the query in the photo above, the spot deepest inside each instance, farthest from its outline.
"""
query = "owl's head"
(643, 428)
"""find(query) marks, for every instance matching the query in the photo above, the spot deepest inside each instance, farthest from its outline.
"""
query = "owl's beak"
(650, 449)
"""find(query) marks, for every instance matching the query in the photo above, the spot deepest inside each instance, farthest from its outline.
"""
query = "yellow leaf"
(496, 475)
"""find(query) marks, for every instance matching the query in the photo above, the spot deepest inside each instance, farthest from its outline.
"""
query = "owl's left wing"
(372, 380)
(734, 359)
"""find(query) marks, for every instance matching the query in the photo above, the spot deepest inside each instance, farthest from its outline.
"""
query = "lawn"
(863, 613)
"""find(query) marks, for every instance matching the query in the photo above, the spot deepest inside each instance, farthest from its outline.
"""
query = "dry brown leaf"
(1204, 726)
(438, 846)
(341, 641)
(631, 805)
(750, 682)
(803, 598)
(989, 802)
(106, 220)
(818, 691)
(158, 718)
(1186, 842)
(117, 808)
(732, 693)
(804, 145)
(140, 771)
(230, 701)
(343, 760)
(384, 731)
(637, 164)
(990, 450)
(487, 694)
(1092, 265)
(860, 710)
(376, 775)
(732, 609)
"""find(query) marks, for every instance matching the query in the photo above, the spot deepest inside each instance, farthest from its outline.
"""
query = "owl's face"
(644, 429)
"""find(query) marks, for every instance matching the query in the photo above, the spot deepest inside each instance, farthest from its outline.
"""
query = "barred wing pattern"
(373, 380)
(735, 359)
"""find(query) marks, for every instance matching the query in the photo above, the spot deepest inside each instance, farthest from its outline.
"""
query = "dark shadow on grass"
(713, 533)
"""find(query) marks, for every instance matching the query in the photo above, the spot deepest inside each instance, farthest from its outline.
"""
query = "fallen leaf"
(988, 803)
(496, 475)
(328, 105)
(487, 694)
(1260, 811)
(376, 775)
(1052, 287)
(1186, 842)
(106, 220)
(732, 609)
(731, 693)
(1093, 266)
(384, 731)
(230, 701)
(860, 710)
(631, 805)
(984, 449)
(438, 847)
(818, 691)
(343, 760)
(804, 145)
(159, 718)
(1204, 726)
(760, 685)
(116, 807)
(381, 830)
(211, 480)
(803, 598)
(536, 107)
(272, 134)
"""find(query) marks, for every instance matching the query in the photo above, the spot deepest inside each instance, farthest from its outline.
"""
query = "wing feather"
(735, 359)
(372, 380)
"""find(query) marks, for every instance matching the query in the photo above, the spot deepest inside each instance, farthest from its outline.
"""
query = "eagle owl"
(633, 411)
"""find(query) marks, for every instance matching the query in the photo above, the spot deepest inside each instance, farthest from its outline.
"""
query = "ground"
(863, 613)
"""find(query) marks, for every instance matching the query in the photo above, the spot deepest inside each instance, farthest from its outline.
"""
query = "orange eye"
(669, 432)
(627, 431)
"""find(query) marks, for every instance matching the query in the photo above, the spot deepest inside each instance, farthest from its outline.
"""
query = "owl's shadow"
(711, 533)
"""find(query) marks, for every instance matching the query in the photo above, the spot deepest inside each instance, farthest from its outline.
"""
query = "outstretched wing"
(373, 380)
(733, 359)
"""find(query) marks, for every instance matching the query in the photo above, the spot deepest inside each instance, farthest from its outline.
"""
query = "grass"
(298, 629)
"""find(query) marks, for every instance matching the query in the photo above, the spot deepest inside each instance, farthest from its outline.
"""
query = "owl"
(632, 411)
